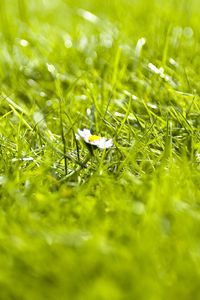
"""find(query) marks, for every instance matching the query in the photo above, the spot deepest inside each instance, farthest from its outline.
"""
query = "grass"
(122, 223)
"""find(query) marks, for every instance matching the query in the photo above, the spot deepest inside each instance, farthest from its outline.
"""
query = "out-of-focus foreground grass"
(124, 223)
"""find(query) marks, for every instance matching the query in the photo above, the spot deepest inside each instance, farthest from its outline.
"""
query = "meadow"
(78, 222)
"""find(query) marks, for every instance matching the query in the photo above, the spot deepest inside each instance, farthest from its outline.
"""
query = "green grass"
(123, 223)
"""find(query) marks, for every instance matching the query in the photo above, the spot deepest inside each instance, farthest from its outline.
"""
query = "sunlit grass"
(76, 221)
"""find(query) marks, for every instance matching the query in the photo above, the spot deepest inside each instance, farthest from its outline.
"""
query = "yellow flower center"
(93, 138)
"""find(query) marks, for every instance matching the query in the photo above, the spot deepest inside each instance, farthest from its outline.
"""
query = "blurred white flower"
(94, 140)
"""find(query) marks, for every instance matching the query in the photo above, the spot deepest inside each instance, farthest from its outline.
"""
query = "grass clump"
(84, 223)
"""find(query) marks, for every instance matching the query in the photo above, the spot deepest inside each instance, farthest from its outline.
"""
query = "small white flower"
(94, 140)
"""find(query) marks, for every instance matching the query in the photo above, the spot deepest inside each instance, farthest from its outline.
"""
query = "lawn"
(78, 222)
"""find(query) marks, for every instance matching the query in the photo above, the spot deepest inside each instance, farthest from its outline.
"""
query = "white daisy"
(94, 140)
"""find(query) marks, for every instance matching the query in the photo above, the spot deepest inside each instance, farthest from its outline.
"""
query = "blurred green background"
(127, 226)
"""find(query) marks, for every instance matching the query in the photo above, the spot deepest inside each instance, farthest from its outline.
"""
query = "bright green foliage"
(80, 223)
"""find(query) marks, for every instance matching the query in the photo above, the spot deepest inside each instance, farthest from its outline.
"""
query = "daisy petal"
(94, 140)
